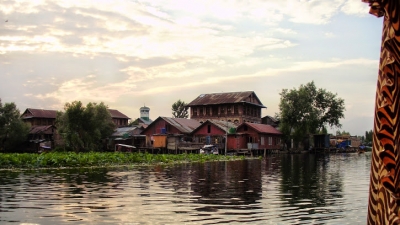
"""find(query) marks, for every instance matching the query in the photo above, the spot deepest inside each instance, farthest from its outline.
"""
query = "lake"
(278, 189)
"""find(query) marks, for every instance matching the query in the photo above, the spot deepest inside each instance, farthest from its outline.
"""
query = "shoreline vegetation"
(100, 159)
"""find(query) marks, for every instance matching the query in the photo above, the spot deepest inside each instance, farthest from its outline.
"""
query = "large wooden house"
(236, 107)
(42, 131)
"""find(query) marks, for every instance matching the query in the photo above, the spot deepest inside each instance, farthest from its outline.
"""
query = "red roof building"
(255, 136)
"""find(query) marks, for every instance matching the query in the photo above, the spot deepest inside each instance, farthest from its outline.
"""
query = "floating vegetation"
(89, 159)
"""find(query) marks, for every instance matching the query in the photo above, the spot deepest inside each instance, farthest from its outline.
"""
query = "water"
(281, 189)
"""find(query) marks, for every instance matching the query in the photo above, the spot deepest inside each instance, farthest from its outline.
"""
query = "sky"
(129, 53)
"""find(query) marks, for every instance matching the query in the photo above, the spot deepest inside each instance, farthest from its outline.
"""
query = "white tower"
(145, 113)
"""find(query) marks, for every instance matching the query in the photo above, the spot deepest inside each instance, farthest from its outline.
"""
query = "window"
(262, 140)
(194, 113)
(236, 110)
(223, 110)
(269, 140)
(229, 110)
(215, 111)
(201, 111)
(209, 129)
(207, 111)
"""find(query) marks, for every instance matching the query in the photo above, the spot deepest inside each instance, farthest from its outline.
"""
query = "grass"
(97, 159)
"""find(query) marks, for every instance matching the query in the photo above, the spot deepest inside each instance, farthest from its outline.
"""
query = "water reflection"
(281, 189)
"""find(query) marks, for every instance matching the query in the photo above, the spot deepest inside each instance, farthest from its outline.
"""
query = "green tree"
(368, 136)
(83, 128)
(308, 110)
(341, 133)
(179, 109)
(13, 131)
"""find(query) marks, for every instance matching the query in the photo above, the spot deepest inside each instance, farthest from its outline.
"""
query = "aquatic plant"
(89, 159)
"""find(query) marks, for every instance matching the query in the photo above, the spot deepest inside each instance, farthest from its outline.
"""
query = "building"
(42, 131)
(213, 132)
(253, 136)
(144, 119)
(269, 120)
(236, 107)
(119, 119)
(167, 132)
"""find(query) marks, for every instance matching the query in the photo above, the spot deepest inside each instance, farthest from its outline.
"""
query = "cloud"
(358, 8)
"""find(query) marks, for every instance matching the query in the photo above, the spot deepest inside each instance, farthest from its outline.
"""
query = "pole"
(226, 136)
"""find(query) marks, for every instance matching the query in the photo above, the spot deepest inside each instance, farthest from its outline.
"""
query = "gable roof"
(39, 113)
(223, 125)
(273, 119)
(226, 97)
(182, 124)
(185, 126)
(261, 128)
(117, 114)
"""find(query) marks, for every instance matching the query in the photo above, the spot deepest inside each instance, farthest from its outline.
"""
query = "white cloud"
(358, 8)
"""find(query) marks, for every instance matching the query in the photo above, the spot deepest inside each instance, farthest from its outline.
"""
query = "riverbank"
(95, 159)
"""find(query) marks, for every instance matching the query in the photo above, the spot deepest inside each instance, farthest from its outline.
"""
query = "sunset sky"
(129, 53)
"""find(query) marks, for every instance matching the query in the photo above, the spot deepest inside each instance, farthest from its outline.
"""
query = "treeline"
(82, 128)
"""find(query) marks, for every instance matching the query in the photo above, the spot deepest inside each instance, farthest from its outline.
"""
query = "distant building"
(269, 120)
(42, 131)
(158, 131)
(145, 113)
(119, 119)
(255, 136)
(236, 107)
(213, 132)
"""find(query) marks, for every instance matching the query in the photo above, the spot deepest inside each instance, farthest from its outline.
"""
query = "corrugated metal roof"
(263, 128)
(39, 113)
(123, 130)
(223, 98)
(48, 129)
(117, 114)
(223, 124)
(183, 125)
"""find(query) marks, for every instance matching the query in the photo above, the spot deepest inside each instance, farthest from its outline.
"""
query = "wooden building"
(251, 136)
(236, 107)
(269, 120)
(128, 136)
(213, 132)
(42, 131)
(119, 119)
(167, 132)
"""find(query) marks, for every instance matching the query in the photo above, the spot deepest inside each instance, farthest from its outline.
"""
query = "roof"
(262, 128)
(48, 129)
(147, 122)
(182, 124)
(273, 119)
(223, 125)
(121, 131)
(227, 97)
(39, 113)
(117, 114)
(185, 126)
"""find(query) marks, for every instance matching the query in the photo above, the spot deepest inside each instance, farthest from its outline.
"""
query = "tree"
(179, 109)
(308, 110)
(368, 136)
(13, 131)
(83, 128)
(342, 133)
